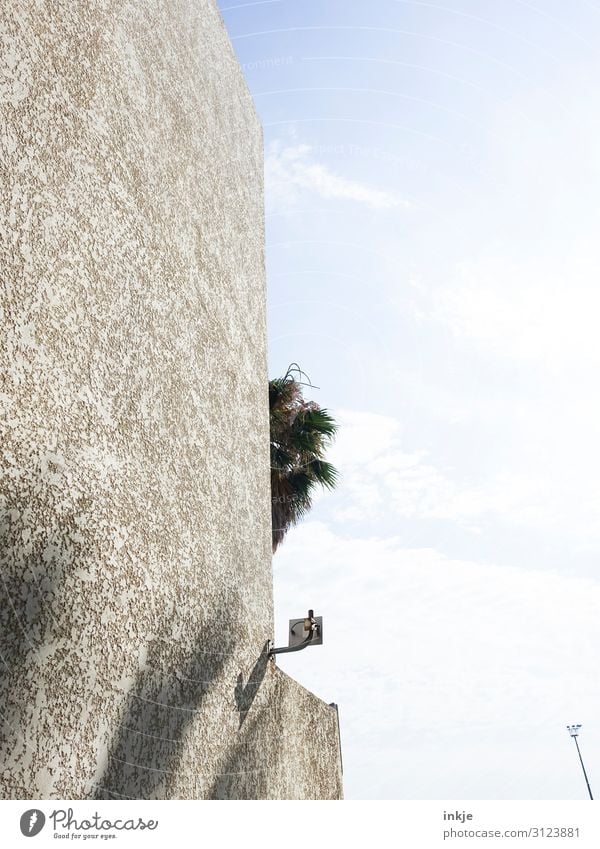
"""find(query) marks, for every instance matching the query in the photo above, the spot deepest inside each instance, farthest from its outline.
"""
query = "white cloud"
(384, 479)
(539, 310)
(382, 475)
(520, 277)
(291, 171)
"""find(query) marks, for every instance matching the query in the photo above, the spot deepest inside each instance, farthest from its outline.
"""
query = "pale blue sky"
(432, 176)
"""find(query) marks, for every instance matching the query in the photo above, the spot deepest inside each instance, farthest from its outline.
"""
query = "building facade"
(135, 537)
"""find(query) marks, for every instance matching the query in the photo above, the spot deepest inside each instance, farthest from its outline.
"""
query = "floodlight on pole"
(574, 732)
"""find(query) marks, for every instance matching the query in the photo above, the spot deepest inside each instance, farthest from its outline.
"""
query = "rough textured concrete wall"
(136, 578)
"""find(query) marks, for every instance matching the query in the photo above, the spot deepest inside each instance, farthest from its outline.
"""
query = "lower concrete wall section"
(134, 437)
(259, 735)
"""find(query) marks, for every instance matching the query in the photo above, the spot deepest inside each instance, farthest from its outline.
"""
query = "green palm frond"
(301, 431)
(324, 473)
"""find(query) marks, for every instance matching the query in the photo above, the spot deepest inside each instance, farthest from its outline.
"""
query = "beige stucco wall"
(136, 574)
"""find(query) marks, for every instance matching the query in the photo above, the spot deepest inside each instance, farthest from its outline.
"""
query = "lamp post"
(574, 732)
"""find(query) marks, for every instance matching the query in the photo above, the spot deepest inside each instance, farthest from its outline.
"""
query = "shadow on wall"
(246, 769)
(25, 620)
(243, 775)
(148, 759)
(33, 618)
(245, 694)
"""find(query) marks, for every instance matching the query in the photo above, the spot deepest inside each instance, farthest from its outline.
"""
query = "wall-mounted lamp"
(302, 633)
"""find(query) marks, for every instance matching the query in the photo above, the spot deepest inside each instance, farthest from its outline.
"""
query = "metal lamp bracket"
(302, 633)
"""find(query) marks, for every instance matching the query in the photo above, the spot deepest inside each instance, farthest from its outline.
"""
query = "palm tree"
(300, 433)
